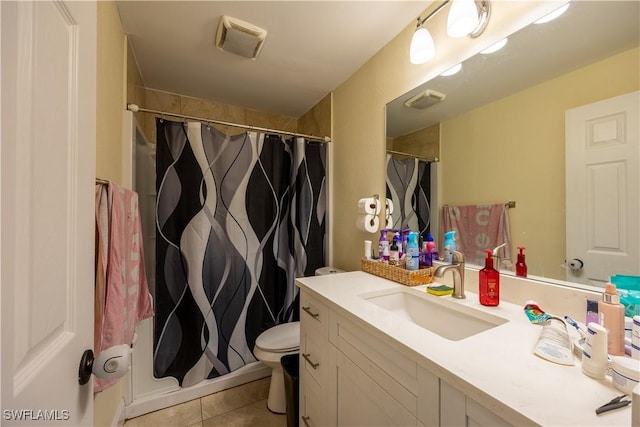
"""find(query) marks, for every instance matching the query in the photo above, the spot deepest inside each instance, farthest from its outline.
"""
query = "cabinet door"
(428, 408)
(362, 402)
(479, 416)
(313, 411)
(457, 410)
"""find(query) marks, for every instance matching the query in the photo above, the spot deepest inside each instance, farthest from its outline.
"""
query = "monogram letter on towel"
(478, 228)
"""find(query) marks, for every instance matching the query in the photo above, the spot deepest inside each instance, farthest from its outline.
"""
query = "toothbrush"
(575, 325)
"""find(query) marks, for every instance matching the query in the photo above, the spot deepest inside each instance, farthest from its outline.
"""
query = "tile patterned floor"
(245, 405)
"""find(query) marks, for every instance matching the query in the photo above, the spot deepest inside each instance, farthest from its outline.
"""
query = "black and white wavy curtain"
(408, 186)
(238, 218)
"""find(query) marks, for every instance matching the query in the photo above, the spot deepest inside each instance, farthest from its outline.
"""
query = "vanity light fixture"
(553, 15)
(495, 47)
(422, 47)
(453, 70)
(463, 18)
(466, 17)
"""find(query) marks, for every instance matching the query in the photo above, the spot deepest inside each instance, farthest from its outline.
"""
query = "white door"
(47, 237)
(602, 189)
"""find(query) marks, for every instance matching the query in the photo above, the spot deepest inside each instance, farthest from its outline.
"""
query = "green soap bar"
(440, 290)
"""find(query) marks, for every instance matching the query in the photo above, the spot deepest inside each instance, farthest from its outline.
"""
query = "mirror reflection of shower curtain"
(408, 185)
(238, 219)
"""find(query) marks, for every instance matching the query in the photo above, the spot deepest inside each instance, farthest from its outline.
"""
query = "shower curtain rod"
(434, 160)
(135, 108)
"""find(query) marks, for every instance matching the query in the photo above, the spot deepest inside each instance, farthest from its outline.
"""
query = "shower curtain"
(409, 188)
(238, 218)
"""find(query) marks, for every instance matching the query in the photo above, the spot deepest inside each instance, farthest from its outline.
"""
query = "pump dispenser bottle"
(413, 252)
(489, 283)
(383, 246)
(432, 250)
(449, 245)
(521, 266)
(611, 314)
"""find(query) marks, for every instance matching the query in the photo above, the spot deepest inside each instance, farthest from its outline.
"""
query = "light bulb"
(463, 18)
(495, 47)
(422, 48)
(453, 70)
(553, 15)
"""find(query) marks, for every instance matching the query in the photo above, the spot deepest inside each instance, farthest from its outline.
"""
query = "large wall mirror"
(501, 130)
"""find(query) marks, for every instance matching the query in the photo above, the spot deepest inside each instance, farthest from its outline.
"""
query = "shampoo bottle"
(521, 266)
(432, 250)
(383, 246)
(425, 256)
(611, 314)
(449, 245)
(489, 283)
(413, 251)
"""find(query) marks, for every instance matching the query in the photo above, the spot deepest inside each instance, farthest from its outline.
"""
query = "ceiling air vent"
(425, 99)
(239, 37)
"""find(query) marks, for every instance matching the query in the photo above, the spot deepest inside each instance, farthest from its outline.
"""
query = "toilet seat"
(281, 338)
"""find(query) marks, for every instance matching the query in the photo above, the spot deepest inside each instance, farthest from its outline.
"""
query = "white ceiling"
(311, 47)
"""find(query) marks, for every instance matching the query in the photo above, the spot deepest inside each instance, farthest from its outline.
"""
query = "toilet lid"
(280, 338)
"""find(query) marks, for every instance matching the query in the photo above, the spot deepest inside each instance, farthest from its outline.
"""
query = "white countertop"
(497, 368)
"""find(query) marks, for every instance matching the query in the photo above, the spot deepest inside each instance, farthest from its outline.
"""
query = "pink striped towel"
(126, 293)
(478, 228)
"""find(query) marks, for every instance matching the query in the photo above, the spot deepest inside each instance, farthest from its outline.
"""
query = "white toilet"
(272, 345)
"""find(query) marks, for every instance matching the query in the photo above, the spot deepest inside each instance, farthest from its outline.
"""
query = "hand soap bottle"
(394, 251)
(489, 283)
(383, 246)
(611, 314)
(521, 266)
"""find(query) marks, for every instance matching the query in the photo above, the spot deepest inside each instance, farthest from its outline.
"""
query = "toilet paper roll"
(368, 223)
(389, 207)
(369, 206)
(388, 223)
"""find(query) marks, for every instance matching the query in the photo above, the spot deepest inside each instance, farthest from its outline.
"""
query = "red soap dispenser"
(489, 283)
(521, 266)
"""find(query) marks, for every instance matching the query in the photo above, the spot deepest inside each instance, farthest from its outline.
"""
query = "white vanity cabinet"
(350, 375)
(314, 361)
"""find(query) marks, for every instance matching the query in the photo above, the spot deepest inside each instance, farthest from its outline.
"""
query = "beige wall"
(423, 143)
(359, 117)
(513, 149)
(110, 92)
(110, 104)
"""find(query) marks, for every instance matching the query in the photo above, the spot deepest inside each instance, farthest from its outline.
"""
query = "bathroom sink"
(440, 315)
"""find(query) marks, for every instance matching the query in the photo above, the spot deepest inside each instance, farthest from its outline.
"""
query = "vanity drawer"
(313, 313)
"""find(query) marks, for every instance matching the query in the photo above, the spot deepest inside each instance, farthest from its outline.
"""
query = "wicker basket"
(398, 273)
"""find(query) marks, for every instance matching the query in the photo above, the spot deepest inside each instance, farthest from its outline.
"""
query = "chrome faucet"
(457, 269)
(494, 253)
